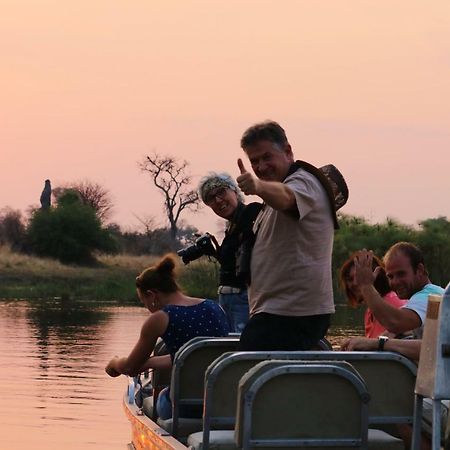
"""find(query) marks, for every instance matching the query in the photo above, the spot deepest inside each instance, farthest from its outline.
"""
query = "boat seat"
(390, 379)
(230, 367)
(187, 380)
(221, 383)
(224, 440)
(148, 407)
(301, 403)
(223, 375)
(324, 344)
(185, 426)
(160, 379)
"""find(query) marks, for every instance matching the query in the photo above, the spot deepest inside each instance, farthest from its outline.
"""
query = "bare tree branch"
(148, 223)
(171, 178)
(92, 194)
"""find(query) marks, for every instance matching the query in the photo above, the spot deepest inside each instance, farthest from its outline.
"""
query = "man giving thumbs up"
(291, 296)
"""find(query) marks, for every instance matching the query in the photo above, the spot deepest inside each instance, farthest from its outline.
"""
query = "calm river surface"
(54, 391)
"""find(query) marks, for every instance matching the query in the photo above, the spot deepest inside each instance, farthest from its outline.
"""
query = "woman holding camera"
(220, 192)
(175, 317)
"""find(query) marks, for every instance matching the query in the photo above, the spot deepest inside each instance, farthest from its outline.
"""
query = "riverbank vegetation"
(432, 236)
(112, 278)
(67, 249)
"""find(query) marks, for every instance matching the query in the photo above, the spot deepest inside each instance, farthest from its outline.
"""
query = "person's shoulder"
(156, 323)
(212, 304)
(426, 291)
(253, 206)
(433, 289)
(252, 209)
(302, 177)
(209, 302)
(205, 302)
(393, 299)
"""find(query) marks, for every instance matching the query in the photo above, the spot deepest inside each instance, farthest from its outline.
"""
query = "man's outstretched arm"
(395, 320)
(277, 195)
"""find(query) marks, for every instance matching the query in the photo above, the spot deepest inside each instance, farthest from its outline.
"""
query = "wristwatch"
(381, 342)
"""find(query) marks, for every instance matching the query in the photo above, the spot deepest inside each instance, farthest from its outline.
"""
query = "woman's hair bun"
(167, 264)
(161, 276)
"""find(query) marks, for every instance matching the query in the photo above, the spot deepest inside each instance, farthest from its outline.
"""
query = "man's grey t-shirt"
(291, 258)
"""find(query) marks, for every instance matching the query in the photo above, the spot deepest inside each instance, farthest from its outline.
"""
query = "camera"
(206, 245)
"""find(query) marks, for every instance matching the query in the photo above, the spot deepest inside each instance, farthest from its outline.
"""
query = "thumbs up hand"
(241, 166)
(246, 181)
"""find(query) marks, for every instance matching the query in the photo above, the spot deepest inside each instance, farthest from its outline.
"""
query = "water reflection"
(54, 391)
(347, 321)
(61, 326)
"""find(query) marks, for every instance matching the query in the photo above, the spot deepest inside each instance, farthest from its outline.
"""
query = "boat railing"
(204, 372)
(187, 380)
(433, 378)
(387, 407)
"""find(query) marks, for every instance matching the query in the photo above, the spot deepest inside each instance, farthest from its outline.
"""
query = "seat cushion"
(147, 406)
(380, 440)
(218, 440)
(224, 440)
(185, 426)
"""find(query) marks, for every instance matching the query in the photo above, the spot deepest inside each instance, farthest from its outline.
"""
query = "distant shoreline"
(23, 276)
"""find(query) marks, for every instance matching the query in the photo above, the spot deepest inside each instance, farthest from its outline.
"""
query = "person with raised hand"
(347, 276)
(408, 278)
(290, 296)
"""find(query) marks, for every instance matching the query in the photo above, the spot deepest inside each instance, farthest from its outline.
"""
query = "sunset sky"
(90, 87)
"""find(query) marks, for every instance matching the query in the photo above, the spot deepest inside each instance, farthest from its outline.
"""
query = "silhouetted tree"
(434, 241)
(70, 232)
(91, 194)
(151, 241)
(147, 223)
(171, 178)
(96, 196)
(12, 229)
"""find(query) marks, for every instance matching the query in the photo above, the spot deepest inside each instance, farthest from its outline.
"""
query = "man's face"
(223, 201)
(270, 161)
(402, 277)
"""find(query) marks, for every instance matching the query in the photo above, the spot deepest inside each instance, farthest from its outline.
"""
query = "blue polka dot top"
(186, 322)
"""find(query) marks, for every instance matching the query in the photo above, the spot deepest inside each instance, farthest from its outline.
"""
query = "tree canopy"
(171, 177)
(91, 194)
(432, 237)
(70, 232)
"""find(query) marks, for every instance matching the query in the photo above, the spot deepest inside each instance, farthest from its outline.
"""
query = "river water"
(53, 389)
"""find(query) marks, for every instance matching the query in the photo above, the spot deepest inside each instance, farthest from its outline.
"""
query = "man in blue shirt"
(408, 277)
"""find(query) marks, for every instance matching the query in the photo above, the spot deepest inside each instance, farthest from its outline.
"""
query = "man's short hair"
(411, 251)
(264, 131)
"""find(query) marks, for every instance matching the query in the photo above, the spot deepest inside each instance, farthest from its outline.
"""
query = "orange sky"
(89, 87)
